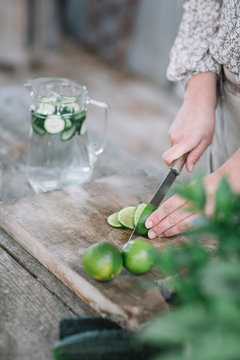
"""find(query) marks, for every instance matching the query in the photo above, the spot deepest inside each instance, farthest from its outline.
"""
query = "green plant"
(206, 323)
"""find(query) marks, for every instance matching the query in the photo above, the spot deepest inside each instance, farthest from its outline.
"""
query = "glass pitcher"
(60, 151)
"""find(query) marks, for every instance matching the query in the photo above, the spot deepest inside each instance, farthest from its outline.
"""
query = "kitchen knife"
(174, 170)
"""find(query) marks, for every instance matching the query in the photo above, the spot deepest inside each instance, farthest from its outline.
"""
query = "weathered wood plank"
(28, 328)
(45, 277)
(56, 227)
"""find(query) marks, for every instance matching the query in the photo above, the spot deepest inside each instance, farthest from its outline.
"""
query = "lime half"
(138, 210)
(125, 217)
(112, 220)
(147, 211)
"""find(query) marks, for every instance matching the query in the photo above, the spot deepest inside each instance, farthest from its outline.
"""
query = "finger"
(175, 152)
(169, 221)
(166, 208)
(195, 155)
(183, 225)
(210, 206)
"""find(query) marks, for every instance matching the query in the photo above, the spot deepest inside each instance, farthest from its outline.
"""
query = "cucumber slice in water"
(83, 128)
(75, 107)
(37, 129)
(68, 123)
(65, 110)
(81, 116)
(54, 124)
(45, 109)
(68, 134)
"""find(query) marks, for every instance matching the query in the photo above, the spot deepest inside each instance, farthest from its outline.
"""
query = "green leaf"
(194, 192)
(221, 280)
(175, 328)
(224, 201)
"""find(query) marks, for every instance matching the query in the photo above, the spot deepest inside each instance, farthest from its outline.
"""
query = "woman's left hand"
(173, 216)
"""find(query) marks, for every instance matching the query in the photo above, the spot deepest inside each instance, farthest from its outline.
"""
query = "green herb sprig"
(206, 323)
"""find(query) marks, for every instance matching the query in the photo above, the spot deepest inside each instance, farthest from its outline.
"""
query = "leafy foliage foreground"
(206, 323)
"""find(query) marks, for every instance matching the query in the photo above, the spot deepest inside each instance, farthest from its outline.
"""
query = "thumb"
(174, 153)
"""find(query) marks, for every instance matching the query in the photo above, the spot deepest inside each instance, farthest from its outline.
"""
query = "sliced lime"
(112, 220)
(54, 124)
(138, 210)
(125, 217)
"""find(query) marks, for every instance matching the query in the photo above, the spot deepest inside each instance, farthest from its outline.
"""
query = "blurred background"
(119, 49)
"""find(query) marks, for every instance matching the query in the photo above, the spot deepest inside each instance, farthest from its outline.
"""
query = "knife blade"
(174, 170)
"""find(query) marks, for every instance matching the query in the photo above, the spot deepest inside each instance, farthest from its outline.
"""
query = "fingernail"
(148, 224)
(191, 167)
(151, 234)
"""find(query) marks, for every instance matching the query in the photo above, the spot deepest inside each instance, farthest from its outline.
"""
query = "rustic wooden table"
(32, 299)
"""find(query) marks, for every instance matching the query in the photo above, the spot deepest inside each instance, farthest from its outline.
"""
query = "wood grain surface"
(24, 315)
(56, 227)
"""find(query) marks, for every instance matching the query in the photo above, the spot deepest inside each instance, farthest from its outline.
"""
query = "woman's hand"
(193, 128)
(173, 216)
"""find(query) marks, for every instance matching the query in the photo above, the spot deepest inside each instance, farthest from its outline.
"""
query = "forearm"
(231, 169)
(202, 88)
(193, 128)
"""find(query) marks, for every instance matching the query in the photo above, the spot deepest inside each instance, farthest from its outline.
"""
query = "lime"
(147, 211)
(138, 210)
(113, 220)
(139, 256)
(125, 217)
(102, 261)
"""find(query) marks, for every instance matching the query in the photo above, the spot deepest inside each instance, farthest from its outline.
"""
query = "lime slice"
(139, 209)
(54, 124)
(112, 220)
(125, 217)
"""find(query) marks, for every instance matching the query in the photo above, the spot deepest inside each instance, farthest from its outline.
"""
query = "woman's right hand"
(193, 128)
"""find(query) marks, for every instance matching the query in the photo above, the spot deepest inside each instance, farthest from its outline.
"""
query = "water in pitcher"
(60, 152)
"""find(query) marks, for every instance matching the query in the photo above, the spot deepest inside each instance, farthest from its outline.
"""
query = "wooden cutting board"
(56, 227)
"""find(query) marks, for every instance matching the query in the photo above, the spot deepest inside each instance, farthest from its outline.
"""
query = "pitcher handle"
(106, 108)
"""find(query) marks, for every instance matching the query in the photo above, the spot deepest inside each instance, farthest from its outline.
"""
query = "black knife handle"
(177, 165)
